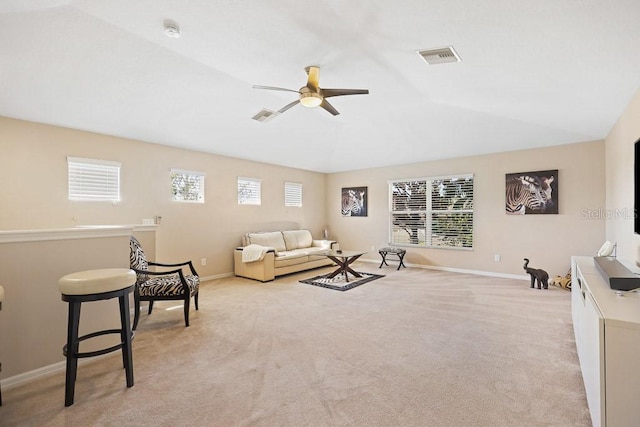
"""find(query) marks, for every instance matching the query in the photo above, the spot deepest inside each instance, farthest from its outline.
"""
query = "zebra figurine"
(537, 274)
(531, 192)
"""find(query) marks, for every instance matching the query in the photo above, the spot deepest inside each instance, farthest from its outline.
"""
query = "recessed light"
(171, 29)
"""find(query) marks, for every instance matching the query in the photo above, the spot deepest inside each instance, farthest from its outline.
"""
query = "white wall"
(33, 194)
(620, 181)
(38, 199)
(34, 317)
(547, 240)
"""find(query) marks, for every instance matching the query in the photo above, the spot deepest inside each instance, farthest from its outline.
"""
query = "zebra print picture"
(531, 193)
(354, 201)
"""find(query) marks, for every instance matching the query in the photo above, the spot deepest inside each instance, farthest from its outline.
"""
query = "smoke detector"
(171, 29)
(440, 55)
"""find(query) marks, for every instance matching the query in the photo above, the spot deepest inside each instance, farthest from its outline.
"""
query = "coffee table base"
(343, 266)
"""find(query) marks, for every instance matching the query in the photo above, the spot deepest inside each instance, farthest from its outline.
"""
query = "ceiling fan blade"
(325, 104)
(314, 77)
(274, 88)
(286, 107)
(327, 93)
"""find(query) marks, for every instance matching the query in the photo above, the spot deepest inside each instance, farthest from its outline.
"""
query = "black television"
(636, 189)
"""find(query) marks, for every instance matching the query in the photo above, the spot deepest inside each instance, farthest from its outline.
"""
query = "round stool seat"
(96, 281)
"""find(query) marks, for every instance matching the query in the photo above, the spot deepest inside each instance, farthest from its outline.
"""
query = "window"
(248, 191)
(292, 194)
(187, 186)
(432, 212)
(96, 180)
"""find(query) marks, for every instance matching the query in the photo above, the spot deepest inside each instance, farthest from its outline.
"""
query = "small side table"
(392, 251)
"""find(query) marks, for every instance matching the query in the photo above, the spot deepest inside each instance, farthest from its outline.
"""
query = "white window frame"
(293, 194)
(425, 212)
(93, 180)
(249, 191)
(193, 186)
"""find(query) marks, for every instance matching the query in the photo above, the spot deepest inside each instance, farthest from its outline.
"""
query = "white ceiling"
(533, 73)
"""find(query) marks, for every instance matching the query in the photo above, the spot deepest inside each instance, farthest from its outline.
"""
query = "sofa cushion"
(315, 250)
(287, 258)
(297, 239)
(323, 244)
(272, 239)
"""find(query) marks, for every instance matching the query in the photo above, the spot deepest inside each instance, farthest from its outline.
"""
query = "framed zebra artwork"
(354, 201)
(531, 192)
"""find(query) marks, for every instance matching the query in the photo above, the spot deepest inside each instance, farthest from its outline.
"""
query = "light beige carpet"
(415, 348)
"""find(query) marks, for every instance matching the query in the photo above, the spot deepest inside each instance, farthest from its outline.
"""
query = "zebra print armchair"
(161, 285)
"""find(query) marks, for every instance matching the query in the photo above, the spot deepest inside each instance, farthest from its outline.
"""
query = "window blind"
(187, 186)
(432, 212)
(249, 191)
(91, 179)
(292, 194)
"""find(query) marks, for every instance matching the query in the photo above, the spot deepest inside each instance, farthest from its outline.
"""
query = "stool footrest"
(102, 351)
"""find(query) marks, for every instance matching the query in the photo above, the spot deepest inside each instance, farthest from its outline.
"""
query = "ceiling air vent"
(265, 115)
(440, 55)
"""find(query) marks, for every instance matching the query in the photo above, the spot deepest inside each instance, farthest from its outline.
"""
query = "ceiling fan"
(311, 95)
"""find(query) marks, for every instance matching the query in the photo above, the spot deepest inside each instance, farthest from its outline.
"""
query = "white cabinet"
(607, 331)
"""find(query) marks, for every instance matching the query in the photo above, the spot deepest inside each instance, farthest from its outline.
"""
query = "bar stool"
(96, 285)
(1, 298)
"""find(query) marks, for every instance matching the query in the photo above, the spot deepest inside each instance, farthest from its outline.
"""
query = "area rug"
(338, 283)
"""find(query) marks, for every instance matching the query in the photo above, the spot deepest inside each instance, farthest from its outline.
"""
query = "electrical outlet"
(203, 262)
(496, 257)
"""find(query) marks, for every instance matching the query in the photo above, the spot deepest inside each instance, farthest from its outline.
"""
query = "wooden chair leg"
(195, 299)
(186, 311)
(150, 306)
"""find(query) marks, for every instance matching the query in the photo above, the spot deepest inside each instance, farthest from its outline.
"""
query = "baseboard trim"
(35, 374)
(215, 276)
(458, 270)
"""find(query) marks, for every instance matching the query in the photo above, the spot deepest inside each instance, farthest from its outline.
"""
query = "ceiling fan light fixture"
(310, 99)
(312, 95)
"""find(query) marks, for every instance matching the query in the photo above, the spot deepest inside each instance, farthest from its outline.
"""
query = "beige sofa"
(271, 254)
